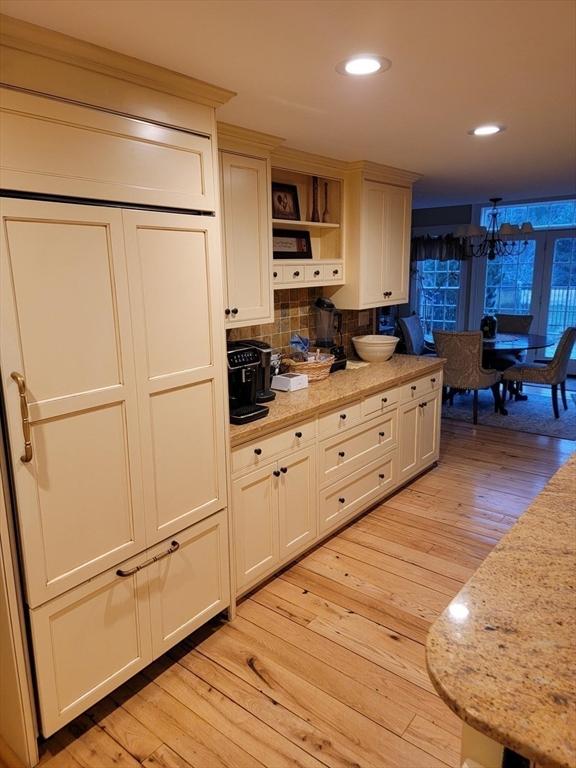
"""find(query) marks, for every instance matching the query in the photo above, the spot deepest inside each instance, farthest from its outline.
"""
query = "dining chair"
(503, 360)
(413, 335)
(463, 368)
(553, 372)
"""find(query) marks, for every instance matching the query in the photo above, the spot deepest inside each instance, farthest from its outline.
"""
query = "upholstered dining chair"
(413, 335)
(503, 360)
(553, 372)
(463, 368)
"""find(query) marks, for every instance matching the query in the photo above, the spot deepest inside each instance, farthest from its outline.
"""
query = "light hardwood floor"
(324, 665)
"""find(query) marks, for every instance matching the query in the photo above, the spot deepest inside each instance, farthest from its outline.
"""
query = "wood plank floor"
(324, 665)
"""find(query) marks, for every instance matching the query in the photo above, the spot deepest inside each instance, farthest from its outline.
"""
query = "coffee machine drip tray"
(247, 413)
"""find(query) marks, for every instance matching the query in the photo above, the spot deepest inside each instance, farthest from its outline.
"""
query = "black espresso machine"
(244, 365)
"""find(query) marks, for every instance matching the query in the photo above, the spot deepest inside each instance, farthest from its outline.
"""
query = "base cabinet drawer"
(339, 420)
(191, 585)
(94, 637)
(375, 404)
(88, 641)
(416, 389)
(340, 501)
(258, 453)
(343, 454)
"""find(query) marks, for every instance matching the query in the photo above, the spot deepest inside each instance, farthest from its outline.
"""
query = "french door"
(541, 281)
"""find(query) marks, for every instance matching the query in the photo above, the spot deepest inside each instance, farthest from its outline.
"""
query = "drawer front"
(259, 452)
(415, 389)
(380, 402)
(50, 146)
(192, 584)
(314, 273)
(333, 272)
(88, 641)
(343, 454)
(339, 420)
(292, 274)
(340, 501)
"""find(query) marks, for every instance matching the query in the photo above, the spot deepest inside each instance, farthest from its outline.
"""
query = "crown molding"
(239, 139)
(386, 173)
(307, 162)
(39, 41)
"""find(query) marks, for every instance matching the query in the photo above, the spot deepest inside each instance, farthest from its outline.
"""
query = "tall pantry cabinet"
(112, 360)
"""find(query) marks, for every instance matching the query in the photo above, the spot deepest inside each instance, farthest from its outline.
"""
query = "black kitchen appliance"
(329, 324)
(243, 366)
(263, 392)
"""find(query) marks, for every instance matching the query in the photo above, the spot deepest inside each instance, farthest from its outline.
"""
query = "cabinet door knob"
(384, 399)
(335, 271)
(274, 274)
(342, 500)
(226, 311)
(341, 454)
(258, 451)
(276, 473)
(382, 434)
(413, 387)
(343, 416)
(297, 274)
(382, 477)
(234, 311)
(283, 470)
(298, 434)
(316, 272)
(424, 404)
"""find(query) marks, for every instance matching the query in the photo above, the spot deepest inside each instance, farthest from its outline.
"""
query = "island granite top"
(338, 389)
(503, 654)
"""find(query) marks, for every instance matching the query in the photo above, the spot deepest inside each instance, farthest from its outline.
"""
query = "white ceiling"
(455, 64)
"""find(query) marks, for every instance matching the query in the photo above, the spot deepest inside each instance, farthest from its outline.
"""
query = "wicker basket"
(316, 370)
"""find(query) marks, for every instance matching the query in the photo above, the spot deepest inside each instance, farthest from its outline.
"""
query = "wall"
(294, 313)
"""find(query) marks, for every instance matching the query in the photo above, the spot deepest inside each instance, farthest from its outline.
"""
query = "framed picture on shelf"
(285, 202)
(291, 244)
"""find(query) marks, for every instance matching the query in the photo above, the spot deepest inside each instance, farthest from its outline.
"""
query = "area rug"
(532, 415)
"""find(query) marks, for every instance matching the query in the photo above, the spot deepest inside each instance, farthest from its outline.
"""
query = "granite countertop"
(339, 388)
(502, 655)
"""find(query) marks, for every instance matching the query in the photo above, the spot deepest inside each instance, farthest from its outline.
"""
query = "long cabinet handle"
(174, 545)
(21, 382)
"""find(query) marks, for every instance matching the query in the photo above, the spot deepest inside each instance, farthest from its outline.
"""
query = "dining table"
(510, 342)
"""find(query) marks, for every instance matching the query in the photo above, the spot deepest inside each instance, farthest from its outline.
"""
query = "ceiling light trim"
(346, 67)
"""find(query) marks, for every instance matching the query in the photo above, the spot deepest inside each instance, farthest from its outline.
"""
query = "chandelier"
(494, 240)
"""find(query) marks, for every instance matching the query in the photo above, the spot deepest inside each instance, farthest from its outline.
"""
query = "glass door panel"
(559, 301)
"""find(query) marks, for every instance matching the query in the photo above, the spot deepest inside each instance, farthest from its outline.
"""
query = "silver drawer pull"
(174, 545)
(21, 382)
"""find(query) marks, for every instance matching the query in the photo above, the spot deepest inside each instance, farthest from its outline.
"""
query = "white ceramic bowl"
(375, 349)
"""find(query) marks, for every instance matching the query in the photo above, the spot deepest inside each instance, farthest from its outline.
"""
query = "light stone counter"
(338, 389)
(503, 654)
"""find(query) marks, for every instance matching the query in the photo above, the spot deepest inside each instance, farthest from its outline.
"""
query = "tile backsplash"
(294, 313)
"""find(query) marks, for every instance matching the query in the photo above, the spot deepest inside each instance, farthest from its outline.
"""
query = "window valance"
(441, 248)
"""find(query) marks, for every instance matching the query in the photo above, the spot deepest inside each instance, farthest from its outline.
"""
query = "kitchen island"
(502, 655)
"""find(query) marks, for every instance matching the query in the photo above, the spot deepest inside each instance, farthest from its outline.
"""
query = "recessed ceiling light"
(487, 130)
(363, 64)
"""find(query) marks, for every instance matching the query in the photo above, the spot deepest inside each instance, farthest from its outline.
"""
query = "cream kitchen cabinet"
(274, 514)
(124, 618)
(378, 238)
(247, 239)
(107, 330)
(419, 432)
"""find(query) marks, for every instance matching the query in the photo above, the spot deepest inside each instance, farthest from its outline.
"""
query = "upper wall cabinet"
(246, 225)
(53, 147)
(378, 216)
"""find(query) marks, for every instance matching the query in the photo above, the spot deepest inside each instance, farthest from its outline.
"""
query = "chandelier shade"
(495, 240)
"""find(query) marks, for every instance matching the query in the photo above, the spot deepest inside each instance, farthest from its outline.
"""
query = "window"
(509, 283)
(562, 303)
(550, 215)
(438, 291)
